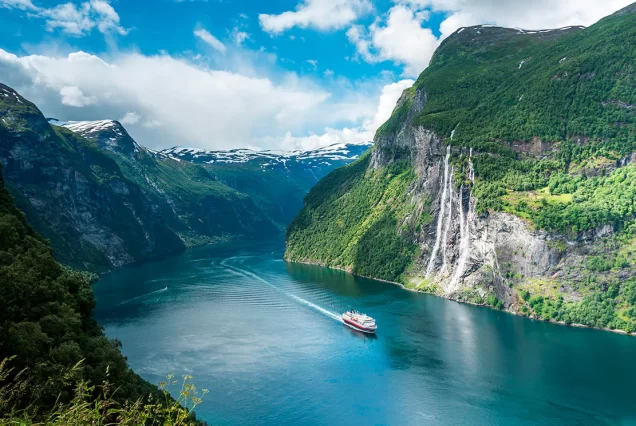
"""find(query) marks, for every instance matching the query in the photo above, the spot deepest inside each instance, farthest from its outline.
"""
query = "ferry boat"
(359, 321)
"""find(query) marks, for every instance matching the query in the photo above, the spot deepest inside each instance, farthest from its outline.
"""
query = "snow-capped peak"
(86, 127)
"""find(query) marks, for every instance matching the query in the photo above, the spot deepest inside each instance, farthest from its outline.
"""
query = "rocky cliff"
(104, 201)
(502, 178)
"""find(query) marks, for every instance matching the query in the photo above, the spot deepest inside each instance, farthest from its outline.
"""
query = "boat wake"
(306, 302)
(161, 290)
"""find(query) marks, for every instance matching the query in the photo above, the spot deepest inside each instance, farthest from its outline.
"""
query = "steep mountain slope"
(503, 177)
(277, 181)
(193, 202)
(46, 323)
(106, 202)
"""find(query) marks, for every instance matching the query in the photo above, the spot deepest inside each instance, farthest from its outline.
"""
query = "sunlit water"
(265, 338)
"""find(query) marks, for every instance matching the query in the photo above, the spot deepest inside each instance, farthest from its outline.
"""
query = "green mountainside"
(107, 202)
(532, 210)
(46, 322)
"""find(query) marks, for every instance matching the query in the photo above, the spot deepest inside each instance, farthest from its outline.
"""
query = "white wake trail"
(293, 296)
(161, 290)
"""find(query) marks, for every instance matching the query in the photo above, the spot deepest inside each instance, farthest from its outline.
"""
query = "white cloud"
(73, 19)
(74, 97)
(18, 4)
(131, 117)
(166, 101)
(537, 14)
(402, 35)
(401, 39)
(210, 39)
(239, 36)
(318, 14)
(313, 63)
(386, 103)
(389, 97)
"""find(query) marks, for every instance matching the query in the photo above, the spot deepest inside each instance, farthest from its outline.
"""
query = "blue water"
(264, 337)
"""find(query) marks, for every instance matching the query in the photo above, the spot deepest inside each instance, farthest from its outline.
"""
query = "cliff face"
(104, 201)
(461, 251)
(490, 184)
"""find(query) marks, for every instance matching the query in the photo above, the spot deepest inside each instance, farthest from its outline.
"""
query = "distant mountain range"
(339, 154)
(277, 181)
(104, 201)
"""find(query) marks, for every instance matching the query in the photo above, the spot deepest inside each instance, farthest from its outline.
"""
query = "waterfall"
(464, 245)
(449, 219)
(471, 168)
(440, 218)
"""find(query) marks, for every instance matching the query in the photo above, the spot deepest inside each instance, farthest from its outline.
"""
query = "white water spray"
(440, 218)
(471, 168)
(449, 219)
(320, 309)
(464, 245)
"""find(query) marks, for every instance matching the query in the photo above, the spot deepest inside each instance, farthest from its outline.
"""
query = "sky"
(260, 74)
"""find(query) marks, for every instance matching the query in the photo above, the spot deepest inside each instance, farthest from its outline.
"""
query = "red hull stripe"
(355, 324)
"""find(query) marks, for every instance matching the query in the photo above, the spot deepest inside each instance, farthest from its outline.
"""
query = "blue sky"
(167, 25)
(243, 73)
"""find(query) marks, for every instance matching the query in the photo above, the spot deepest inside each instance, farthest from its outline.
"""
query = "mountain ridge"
(503, 177)
(104, 202)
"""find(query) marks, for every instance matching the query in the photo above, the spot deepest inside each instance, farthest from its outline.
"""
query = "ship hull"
(358, 327)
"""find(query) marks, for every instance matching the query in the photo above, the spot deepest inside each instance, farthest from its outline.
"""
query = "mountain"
(104, 201)
(277, 181)
(46, 324)
(505, 177)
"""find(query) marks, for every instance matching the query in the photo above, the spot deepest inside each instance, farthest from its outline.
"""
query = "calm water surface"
(260, 334)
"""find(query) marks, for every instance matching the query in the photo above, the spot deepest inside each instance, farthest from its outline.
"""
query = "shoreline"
(508, 311)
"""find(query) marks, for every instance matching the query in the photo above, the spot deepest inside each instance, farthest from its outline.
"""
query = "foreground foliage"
(58, 351)
(97, 406)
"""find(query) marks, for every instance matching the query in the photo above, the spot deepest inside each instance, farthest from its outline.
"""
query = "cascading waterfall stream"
(449, 219)
(464, 245)
(440, 218)
(471, 168)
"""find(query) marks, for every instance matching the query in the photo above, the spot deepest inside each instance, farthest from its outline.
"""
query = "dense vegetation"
(536, 105)
(46, 328)
(550, 119)
(356, 221)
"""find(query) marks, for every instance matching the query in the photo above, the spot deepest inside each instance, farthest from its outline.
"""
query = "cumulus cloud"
(71, 18)
(401, 39)
(74, 97)
(385, 105)
(402, 35)
(239, 36)
(390, 94)
(166, 101)
(131, 117)
(210, 39)
(318, 14)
